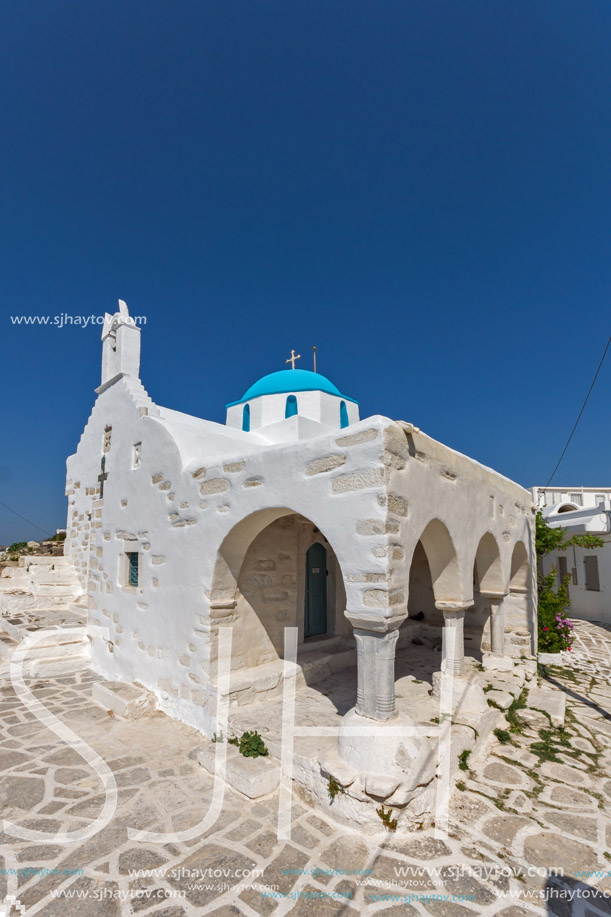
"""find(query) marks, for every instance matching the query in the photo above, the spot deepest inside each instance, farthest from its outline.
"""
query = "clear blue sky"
(421, 188)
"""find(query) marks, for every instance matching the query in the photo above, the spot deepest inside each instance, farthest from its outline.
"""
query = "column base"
(465, 696)
(494, 662)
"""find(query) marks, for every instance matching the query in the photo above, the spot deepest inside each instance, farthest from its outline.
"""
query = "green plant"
(334, 787)
(17, 546)
(461, 786)
(516, 723)
(463, 759)
(251, 745)
(385, 816)
(503, 736)
(555, 630)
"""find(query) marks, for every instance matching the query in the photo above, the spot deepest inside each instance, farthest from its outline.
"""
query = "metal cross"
(292, 358)
(102, 476)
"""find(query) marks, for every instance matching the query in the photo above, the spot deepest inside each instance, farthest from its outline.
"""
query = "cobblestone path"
(540, 802)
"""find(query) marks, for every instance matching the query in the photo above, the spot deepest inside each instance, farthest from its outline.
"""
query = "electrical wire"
(583, 406)
(29, 522)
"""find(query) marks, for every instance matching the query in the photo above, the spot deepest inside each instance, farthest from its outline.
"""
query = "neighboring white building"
(296, 512)
(580, 510)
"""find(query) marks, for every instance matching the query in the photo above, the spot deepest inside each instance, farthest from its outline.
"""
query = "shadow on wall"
(288, 567)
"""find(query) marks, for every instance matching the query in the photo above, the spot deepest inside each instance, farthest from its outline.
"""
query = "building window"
(577, 499)
(591, 569)
(137, 455)
(107, 437)
(291, 406)
(246, 418)
(132, 571)
(343, 415)
(600, 498)
(562, 568)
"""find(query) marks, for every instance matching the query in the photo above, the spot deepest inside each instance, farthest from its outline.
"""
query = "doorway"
(316, 591)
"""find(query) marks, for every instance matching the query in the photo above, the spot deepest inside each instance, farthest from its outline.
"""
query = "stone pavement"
(540, 801)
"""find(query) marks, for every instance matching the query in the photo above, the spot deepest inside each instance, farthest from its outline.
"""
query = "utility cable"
(29, 522)
(583, 406)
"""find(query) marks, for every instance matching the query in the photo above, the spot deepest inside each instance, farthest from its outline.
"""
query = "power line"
(29, 522)
(600, 365)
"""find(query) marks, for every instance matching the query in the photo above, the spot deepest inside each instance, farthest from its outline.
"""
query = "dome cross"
(292, 358)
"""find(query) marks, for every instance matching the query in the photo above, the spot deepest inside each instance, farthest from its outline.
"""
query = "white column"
(497, 626)
(375, 693)
(376, 644)
(453, 662)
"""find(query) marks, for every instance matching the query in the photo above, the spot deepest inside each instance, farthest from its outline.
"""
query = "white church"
(372, 539)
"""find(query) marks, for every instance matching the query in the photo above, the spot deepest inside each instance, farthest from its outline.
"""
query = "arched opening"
(434, 577)
(443, 562)
(277, 570)
(246, 418)
(291, 406)
(520, 569)
(487, 580)
(567, 508)
(343, 415)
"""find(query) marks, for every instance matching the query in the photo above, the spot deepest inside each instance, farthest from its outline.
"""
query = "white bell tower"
(120, 345)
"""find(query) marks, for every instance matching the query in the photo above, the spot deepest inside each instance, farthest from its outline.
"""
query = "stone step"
(59, 650)
(67, 590)
(253, 777)
(53, 578)
(52, 667)
(7, 645)
(128, 701)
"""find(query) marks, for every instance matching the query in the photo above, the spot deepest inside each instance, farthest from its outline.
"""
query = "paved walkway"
(541, 801)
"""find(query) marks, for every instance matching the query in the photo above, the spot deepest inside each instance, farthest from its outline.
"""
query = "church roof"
(286, 381)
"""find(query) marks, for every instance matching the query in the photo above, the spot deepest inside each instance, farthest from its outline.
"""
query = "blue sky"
(419, 188)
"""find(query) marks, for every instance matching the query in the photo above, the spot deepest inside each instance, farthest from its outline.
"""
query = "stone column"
(376, 644)
(497, 626)
(453, 662)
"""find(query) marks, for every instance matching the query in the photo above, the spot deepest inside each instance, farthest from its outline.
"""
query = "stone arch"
(519, 579)
(443, 562)
(259, 586)
(488, 567)
(488, 581)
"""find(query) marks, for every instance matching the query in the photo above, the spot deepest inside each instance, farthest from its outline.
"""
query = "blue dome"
(286, 381)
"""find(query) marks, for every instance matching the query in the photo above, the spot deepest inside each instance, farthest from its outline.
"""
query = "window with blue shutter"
(343, 415)
(291, 406)
(132, 573)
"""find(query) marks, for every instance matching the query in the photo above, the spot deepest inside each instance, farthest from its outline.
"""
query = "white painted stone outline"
(48, 719)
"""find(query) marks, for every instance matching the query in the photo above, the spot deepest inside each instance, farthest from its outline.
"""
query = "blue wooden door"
(316, 591)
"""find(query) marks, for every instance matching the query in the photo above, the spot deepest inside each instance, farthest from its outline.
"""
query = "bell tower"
(120, 345)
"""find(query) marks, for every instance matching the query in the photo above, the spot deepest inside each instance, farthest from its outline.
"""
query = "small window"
(132, 568)
(562, 568)
(291, 406)
(577, 499)
(600, 498)
(137, 455)
(343, 415)
(107, 438)
(246, 418)
(591, 569)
